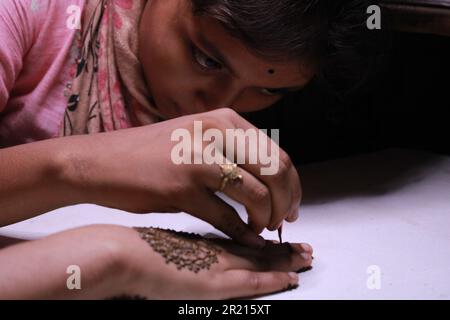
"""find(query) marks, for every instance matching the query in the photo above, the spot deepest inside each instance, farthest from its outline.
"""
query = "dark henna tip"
(291, 287)
(305, 269)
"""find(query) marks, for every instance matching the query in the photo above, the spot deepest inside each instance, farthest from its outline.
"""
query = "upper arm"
(16, 36)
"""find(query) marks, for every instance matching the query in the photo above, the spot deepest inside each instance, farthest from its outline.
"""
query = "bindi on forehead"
(271, 71)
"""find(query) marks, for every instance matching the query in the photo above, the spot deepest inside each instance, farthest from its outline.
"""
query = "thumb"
(224, 217)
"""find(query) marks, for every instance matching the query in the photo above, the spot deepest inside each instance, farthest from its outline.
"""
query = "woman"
(110, 95)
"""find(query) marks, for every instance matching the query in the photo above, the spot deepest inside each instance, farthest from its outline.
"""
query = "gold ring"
(230, 172)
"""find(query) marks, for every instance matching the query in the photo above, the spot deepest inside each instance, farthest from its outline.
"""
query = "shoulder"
(55, 13)
(25, 19)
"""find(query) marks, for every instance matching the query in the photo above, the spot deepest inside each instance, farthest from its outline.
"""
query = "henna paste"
(291, 287)
(305, 269)
(185, 250)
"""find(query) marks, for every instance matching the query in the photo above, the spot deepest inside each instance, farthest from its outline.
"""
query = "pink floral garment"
(38, 54)
(35, 49)
(108, 91)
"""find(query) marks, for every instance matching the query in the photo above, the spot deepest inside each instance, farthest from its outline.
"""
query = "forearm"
(38, 269)
(32, 180)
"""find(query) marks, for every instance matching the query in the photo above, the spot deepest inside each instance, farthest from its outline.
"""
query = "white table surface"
(390, 209)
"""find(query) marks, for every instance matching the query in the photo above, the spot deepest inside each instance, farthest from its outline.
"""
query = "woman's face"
(192, 64)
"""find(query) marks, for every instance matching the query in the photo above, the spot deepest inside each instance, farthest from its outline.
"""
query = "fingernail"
(293, 215)
(297, 248)
(294, 277)
(305, 256)
(306, 247)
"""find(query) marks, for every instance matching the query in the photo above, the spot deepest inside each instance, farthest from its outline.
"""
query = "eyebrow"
(217, 54)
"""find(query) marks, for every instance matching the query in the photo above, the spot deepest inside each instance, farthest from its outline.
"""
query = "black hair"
(330, 35)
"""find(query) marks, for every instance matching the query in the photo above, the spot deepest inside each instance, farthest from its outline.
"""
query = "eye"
(205, 61)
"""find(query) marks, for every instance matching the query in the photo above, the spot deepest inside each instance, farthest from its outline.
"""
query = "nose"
(211, 98)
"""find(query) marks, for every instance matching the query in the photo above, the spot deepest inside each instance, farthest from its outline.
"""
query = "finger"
(213, 210)
(277, 248)
(250, 192)
(284, 185)
(284, 188)
(244, 283)
(303, 247)
(283, 257)
(297, 194)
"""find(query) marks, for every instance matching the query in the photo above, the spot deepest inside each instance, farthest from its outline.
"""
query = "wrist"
(104, 262)
(126, 274)
(74, 169)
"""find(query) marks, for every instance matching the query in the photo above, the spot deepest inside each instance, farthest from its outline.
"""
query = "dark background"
(405, 105)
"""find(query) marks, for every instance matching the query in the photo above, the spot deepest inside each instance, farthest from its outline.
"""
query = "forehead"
(248, 65)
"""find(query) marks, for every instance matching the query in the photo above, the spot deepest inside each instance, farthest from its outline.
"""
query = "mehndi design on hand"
(185, 250)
